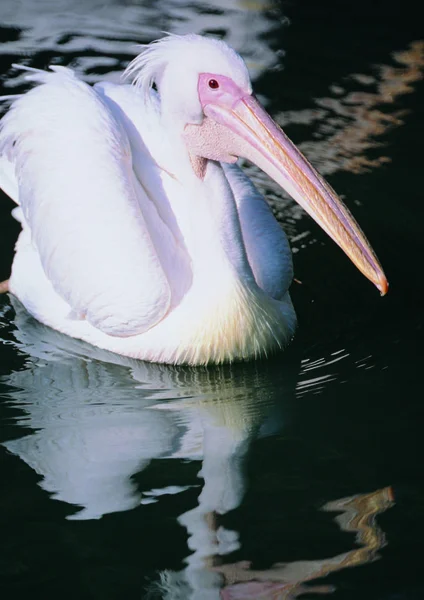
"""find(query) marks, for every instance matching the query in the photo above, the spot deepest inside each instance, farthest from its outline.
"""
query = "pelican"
(140, 234)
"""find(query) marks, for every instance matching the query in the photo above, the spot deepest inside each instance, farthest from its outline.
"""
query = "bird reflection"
(98, 419)
(285, 581)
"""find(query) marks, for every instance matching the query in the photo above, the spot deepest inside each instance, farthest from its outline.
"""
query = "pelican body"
(140, 234)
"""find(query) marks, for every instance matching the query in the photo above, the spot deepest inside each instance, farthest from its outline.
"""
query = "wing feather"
(84, 206)
(267, 246)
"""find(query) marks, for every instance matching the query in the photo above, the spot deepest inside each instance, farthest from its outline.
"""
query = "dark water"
(287, 477)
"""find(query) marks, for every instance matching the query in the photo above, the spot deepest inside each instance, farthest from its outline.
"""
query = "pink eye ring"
(213, 84)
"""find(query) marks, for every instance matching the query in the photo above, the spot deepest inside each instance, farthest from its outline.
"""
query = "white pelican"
(139, 233)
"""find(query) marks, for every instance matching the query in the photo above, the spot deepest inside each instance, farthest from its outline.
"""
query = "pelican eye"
(213, 84)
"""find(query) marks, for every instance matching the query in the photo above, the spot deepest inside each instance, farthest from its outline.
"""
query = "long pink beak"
(236, 125)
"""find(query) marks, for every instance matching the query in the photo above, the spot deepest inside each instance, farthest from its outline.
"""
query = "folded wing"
(89, 217)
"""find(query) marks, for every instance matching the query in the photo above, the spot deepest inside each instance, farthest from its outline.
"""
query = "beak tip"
(383, 285)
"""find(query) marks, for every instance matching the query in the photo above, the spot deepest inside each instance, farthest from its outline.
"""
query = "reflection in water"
(100, 35)
(286, 581)
(98, 422)
(98, 419)
(282, 581)
(349, 122)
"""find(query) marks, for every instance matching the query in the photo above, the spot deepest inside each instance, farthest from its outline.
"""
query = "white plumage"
(131, 241)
